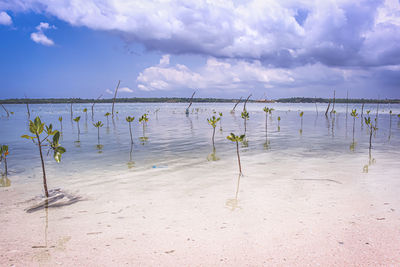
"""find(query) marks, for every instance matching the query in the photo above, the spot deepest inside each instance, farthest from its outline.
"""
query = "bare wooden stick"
(72, 101)
(191, 101)
(27, 107)
(237, 103)
(245, 102)
(8, 114)
(327, 109)
(94, 104)
(334, 97)
(316, 108)
(362, 109)
(115, 95)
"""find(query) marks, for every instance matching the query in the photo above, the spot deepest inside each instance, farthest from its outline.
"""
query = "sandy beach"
(300, 216)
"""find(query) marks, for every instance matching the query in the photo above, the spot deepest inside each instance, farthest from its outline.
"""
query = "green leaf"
(32, 127)
(56, 138)
(58, 153)
(28, 137)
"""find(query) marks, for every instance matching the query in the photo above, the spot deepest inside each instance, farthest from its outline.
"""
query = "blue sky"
(219, 48)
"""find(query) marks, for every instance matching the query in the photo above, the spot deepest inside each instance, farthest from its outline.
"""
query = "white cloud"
(125, 90)
(235, 75)
(5, 19)
(39, 37)
(280, 33)
(120, 90)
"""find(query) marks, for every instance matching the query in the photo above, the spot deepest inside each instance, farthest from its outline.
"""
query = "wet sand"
(320, 211)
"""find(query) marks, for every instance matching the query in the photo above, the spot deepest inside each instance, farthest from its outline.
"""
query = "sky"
(220, 48)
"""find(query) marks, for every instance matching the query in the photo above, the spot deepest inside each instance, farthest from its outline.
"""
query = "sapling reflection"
(129, 120)
(36, 127)
(3, 157)
(236, 138)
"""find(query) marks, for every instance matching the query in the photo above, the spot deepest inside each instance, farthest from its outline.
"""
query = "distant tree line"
(337, 100)
(110, 100)
(185, 100)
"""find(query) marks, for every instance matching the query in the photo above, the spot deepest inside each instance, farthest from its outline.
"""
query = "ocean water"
(176, 140)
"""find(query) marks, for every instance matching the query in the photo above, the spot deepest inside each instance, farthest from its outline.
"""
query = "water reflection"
(130, 163)
(4, 181)
(212, 156)
(233, 203)
(371, 161)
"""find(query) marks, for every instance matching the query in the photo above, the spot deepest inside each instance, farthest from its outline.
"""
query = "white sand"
(180, 217)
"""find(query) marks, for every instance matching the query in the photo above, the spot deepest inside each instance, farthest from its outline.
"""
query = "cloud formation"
(39, 37)
(234, 75)
(277, 33)
(5, 19)
(238, 77)
(120, 90)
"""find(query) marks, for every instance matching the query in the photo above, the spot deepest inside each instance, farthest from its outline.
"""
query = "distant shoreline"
(185, 100)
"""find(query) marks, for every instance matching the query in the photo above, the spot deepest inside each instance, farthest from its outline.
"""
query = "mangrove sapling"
(60, 119)
(390, 124)
(267, 111)
(129, 120)
(77, 119)
(143, 120)
(237, 139)
(279, 124)
(3, 157)
(245, 117)
(106, 115)
(354, 114)
(85, 110)
(301, 119)
(98, 125)
(213, 122)
(36, 127)
(398, 122)
(371, 128)
(220, 121)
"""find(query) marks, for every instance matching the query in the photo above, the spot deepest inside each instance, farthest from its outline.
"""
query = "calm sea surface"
(175, 140)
